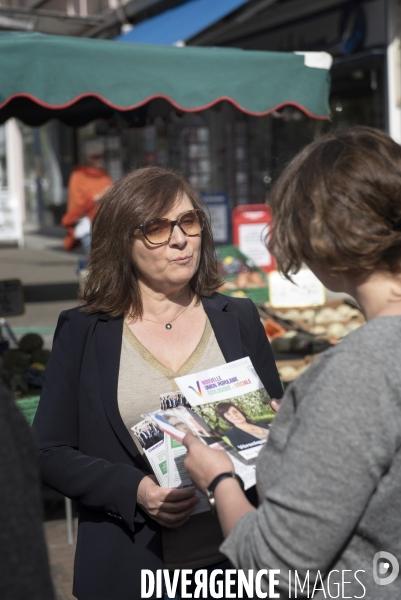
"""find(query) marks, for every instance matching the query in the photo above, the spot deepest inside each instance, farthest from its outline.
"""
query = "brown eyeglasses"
(159, 231)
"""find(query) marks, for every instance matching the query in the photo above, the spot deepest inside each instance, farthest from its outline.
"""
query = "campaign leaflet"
(151, 439)
(166, 459)
(178, 475)
(233, 403)
(173, 452)
(176, 423)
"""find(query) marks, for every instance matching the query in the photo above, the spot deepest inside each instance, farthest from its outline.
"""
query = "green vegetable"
(40, 356)
(15, 359)
(31, 342)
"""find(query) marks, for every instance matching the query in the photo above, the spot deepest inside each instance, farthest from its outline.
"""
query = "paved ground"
(61, 557)
(49, 275)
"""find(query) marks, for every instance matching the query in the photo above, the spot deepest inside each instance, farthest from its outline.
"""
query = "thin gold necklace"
(169, 325)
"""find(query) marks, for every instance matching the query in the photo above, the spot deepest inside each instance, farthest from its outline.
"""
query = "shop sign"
(218, 209)
(305, 291)
(10, 218)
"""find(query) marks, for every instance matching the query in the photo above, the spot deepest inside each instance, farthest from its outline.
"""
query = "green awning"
(78, 80)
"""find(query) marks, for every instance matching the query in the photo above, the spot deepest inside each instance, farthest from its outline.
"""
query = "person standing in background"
(24, 566)
(86, 186)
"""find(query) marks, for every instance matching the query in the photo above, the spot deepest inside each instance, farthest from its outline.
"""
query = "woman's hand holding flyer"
(226, 408)
(213, 462)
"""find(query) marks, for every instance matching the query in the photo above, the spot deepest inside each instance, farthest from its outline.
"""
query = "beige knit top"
(142, 378)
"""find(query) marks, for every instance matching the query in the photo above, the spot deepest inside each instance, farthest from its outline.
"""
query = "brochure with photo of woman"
(176, 423)
(233, 403)
(227, 407)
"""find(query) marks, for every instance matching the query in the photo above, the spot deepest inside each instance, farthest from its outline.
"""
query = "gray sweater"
(329, 478)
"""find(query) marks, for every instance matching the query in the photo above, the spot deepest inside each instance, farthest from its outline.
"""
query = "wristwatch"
(212, 486)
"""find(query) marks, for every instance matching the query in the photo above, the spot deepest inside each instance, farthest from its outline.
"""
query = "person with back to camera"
(24, 563)
(329, 477)
(243, 431)
(151, 314)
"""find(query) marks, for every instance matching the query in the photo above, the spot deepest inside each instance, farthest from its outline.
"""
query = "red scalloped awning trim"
(164, 97)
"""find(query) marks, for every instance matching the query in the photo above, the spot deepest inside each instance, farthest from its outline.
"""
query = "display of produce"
(298, 335)
(242, 278)
(289, 370)
(335, 319)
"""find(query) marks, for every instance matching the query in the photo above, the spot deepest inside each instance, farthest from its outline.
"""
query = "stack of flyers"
(176, 423)
(164, 452)
(177, 474)
(226, 407)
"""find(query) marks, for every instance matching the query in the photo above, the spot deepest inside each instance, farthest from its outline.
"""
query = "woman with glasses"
(151, 314)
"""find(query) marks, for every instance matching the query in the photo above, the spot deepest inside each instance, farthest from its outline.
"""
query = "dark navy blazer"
(87, 453)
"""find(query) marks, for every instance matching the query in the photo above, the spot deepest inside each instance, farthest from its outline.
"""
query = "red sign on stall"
(250, 226)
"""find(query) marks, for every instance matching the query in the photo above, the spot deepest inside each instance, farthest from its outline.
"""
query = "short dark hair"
(338, 204)
(223, 407)
(139, 196)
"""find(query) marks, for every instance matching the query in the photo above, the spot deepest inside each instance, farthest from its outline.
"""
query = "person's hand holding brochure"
(176, 423)
(161, 444)
(230, 411)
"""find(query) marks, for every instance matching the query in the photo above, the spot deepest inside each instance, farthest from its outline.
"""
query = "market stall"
(299, 333)
(216, 114)
(77, 80)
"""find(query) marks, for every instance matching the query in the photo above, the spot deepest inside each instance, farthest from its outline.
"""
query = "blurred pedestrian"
(24, 566)
(86, 186)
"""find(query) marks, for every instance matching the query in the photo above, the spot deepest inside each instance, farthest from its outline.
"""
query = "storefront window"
(45, 149)
(220, 150)
(358, 92)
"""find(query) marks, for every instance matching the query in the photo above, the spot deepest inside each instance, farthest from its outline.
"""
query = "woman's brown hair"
(338, 204)
(141, 195)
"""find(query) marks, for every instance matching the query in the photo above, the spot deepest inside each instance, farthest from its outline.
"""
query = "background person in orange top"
(86, 186)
